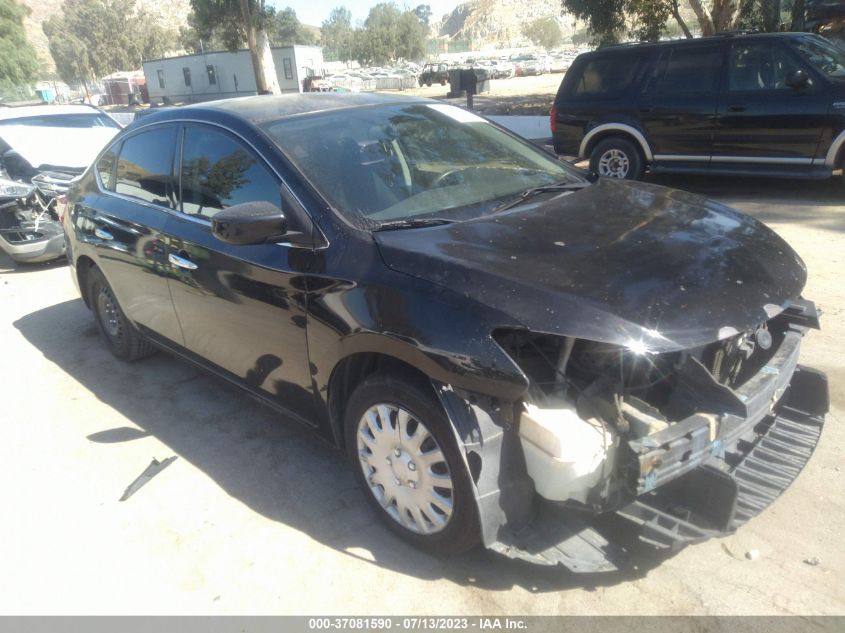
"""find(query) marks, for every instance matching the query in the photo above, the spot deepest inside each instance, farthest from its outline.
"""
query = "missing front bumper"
(711, 500)
(719, 496)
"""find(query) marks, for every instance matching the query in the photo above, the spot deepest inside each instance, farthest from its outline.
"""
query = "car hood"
(630, 264)
(75, 148)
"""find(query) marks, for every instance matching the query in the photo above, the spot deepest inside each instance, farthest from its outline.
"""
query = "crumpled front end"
(683, 446)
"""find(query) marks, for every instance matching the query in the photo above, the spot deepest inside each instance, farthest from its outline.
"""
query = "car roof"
(698, 40)
(259, 109)
(22, 112)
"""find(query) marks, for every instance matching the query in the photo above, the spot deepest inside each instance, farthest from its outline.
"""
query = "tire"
(617, 157)
(442, 82)
(428, 84)
(119, 335)
(450, 524)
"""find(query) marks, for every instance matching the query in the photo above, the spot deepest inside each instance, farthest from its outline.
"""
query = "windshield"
(408, 162)
(84, 120)
(823, 55)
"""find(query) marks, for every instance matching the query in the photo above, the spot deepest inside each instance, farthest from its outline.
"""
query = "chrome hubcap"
(108, 312)
(405, 468)
(614, 163)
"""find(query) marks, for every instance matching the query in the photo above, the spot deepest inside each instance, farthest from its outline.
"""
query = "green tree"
(287, 30)
(648, 18)
(412, 32)
(69, 53)
(99, 37)
(381, 32)
(17, 57)
(194, 40)
(544, 32)
(606, 18)
(236, 22)
(337, 34)
(389, 34)
(423, 12)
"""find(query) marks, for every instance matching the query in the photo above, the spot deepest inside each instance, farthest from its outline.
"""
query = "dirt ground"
(256, 516)
(515, 96)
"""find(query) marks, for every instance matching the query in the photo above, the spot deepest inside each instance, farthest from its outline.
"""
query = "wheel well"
(353, 370)
(603, 136)
(83, 266)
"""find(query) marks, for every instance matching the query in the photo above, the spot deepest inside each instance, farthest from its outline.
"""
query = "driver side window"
(219, 172)
(759, 66)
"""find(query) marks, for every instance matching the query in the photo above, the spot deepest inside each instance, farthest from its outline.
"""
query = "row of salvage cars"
(509, 351)
(43, 148)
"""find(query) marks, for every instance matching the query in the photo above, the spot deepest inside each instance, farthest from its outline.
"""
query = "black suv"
(434, 73)
(765, 104)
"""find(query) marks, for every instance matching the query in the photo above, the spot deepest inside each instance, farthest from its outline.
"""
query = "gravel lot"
(516, 96)
(257, 516)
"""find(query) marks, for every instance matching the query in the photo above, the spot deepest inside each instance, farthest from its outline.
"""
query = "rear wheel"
(407, 462)
(617, 157)
(119, 335)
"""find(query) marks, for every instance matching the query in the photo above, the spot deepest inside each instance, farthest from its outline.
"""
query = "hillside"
(499, 22)
(170, 13)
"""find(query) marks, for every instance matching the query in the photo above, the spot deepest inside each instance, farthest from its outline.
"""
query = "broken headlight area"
(686, 444)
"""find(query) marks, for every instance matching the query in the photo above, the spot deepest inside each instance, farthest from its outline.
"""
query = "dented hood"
(618, 262)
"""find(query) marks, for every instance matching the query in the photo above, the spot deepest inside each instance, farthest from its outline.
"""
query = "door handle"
(103, 234)
(181, 262)
(737, 108)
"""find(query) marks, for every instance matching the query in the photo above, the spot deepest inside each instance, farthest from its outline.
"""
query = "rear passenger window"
(685, 70)
(218, 172)
(105, 169)
(606, 77)
(143, 169)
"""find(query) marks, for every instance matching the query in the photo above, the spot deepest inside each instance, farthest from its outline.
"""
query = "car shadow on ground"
(274, 466)
(811, 203)
(8, 266)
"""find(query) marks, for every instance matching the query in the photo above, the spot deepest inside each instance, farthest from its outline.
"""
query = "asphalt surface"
(255, 515)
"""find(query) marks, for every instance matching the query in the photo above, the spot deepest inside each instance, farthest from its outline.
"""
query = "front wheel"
(617, 158)
(408, 464)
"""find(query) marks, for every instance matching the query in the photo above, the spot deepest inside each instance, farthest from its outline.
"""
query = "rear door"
(761, 119)
(125, 225)
(241, 308)
(677, 106)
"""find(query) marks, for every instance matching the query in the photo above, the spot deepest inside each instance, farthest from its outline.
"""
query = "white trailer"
(223, 74)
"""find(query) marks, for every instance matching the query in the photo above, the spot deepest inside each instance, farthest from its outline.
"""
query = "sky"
(313, 12)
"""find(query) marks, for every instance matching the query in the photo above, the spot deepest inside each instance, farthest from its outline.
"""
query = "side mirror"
(249, 223)
(798, 80)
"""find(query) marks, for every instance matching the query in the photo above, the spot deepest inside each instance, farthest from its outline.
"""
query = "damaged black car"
(507, 348)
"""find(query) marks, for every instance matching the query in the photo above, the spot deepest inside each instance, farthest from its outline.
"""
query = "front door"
(763, 120)
(242, 308)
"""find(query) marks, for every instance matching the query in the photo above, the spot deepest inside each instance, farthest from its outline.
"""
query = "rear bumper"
(43, 249)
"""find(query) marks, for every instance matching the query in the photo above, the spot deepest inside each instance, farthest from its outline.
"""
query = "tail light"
(553, 120)
(61, 207)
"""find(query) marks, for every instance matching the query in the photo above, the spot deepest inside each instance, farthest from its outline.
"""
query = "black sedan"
(507, 348)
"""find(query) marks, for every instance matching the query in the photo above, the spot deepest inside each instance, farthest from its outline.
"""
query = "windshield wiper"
(530, 193)
(413, 223)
